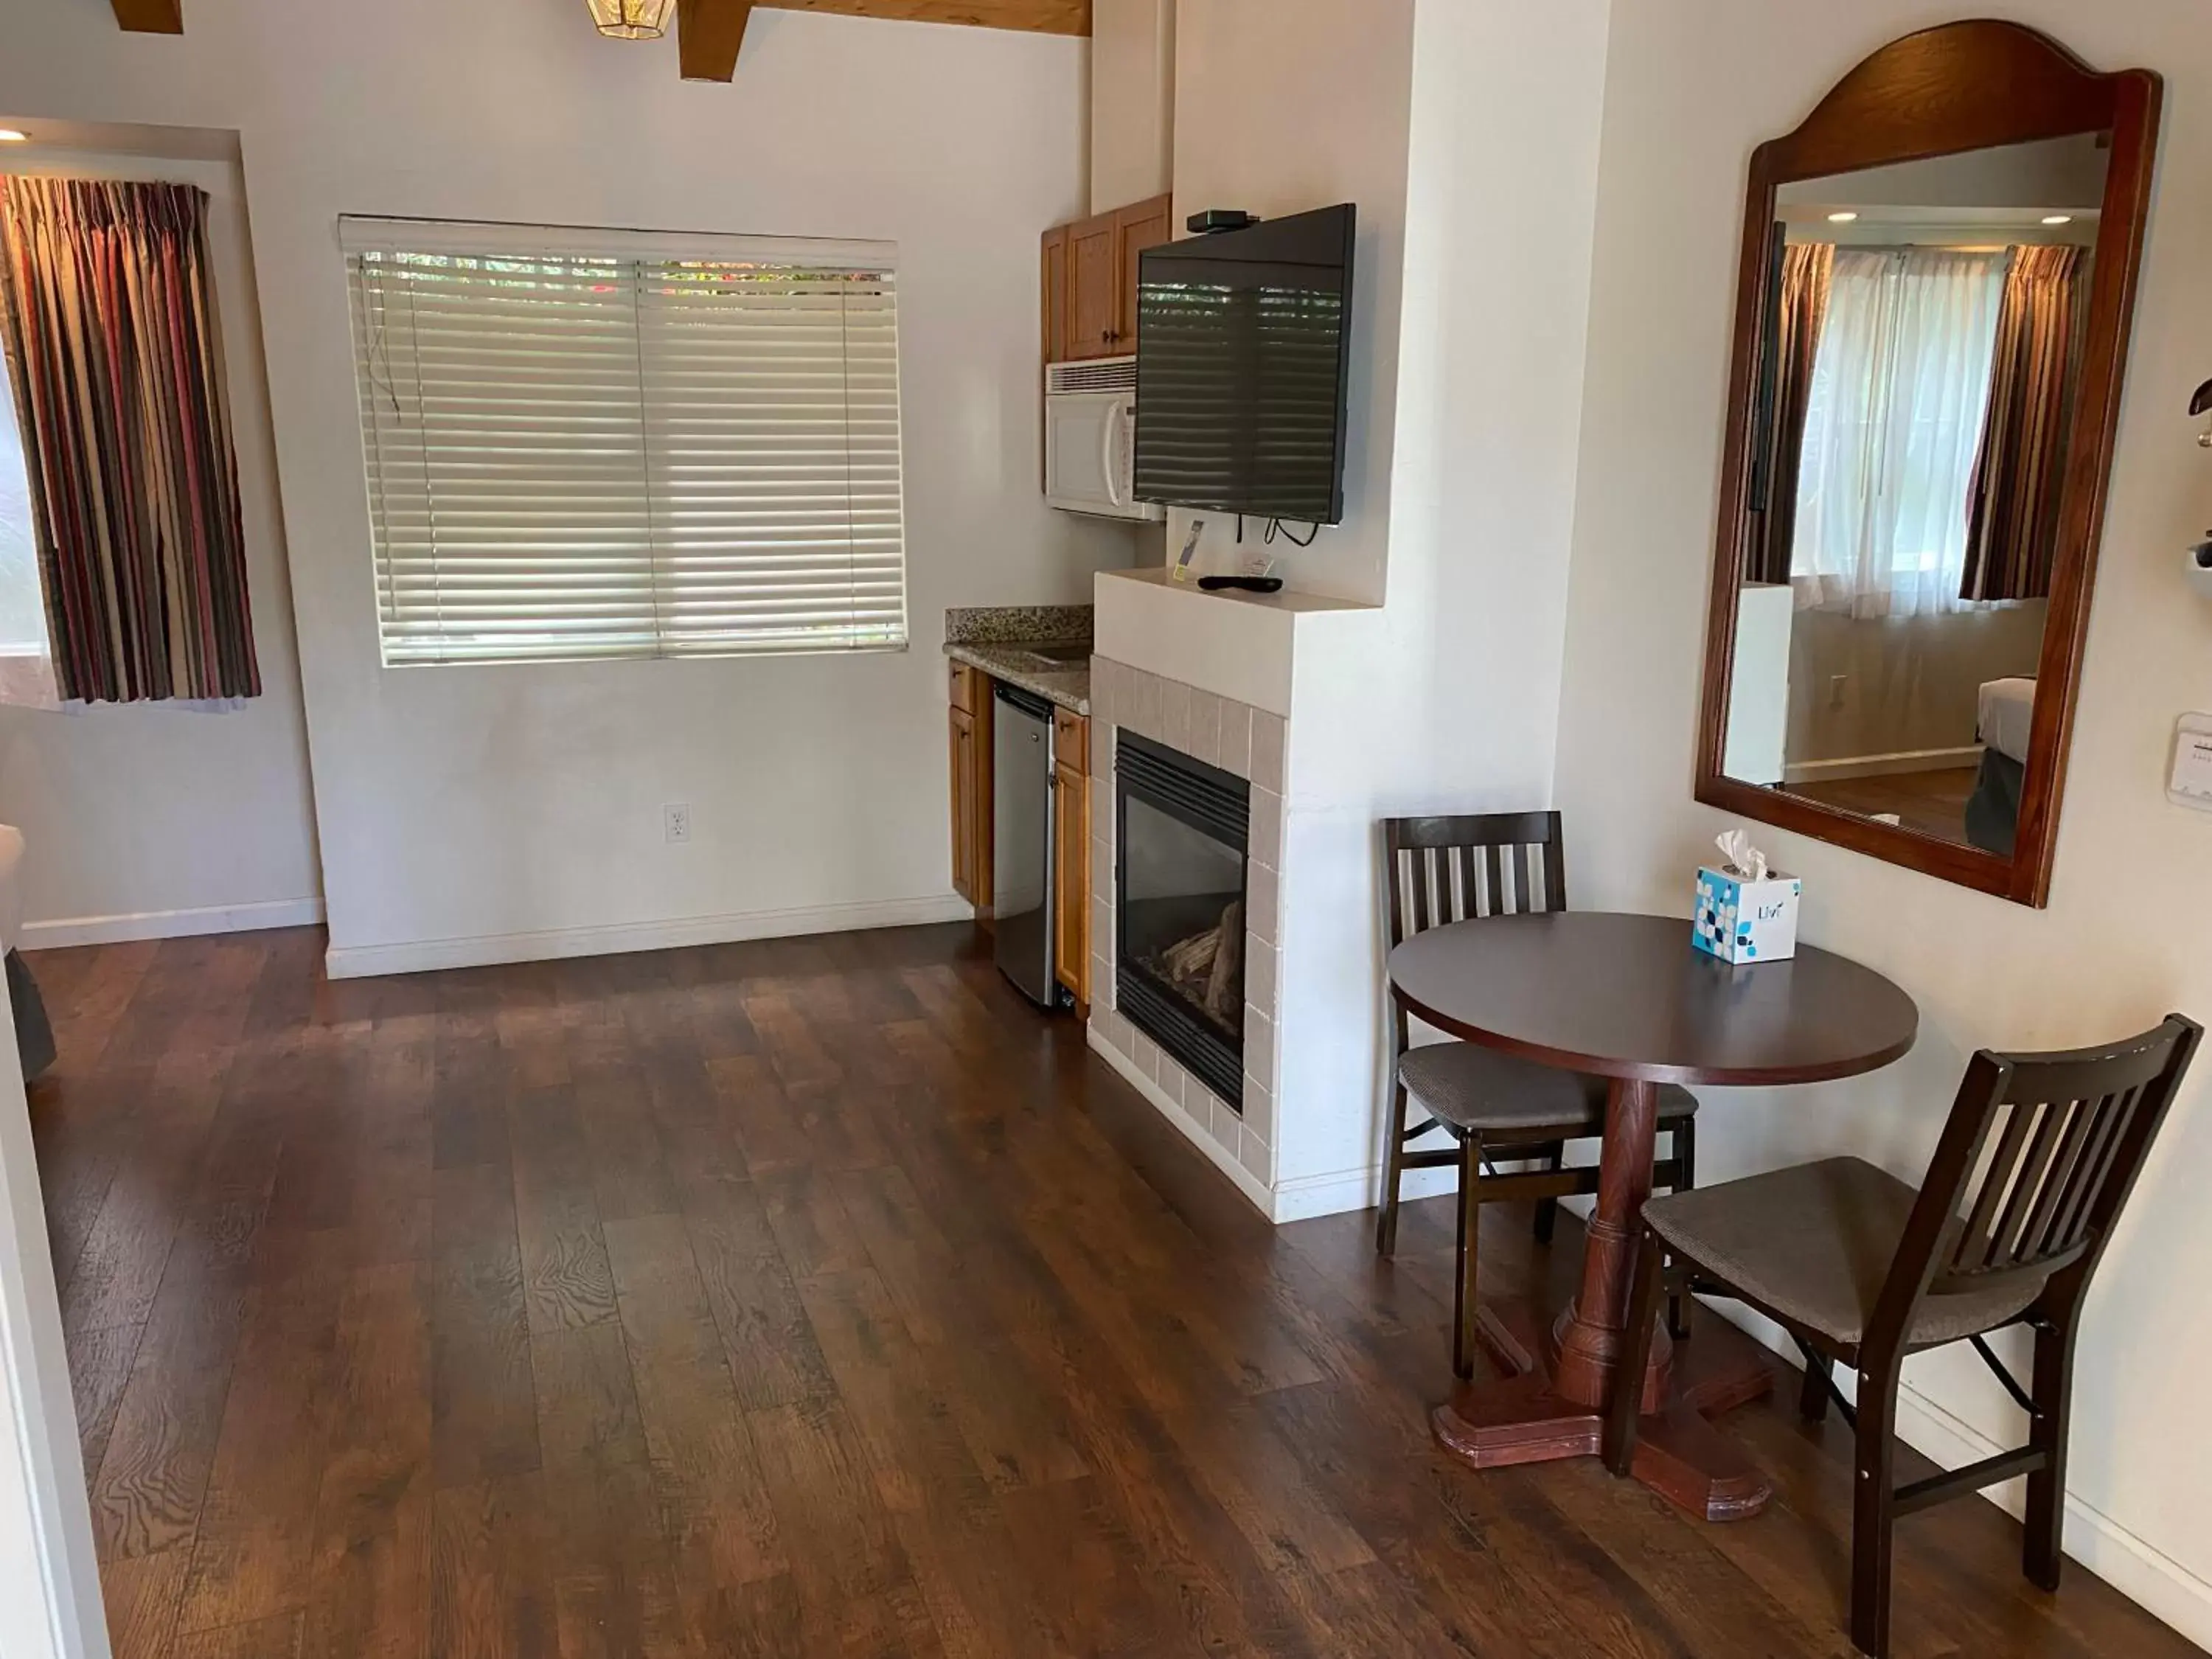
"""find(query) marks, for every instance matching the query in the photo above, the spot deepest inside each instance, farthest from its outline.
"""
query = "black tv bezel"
(1256, 237)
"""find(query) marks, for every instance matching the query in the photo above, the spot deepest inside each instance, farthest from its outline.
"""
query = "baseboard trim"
(490, 950)
(172, 924)
(1304, 1197)
(1882, 766)
(1255, 1191)
(2147, 1575)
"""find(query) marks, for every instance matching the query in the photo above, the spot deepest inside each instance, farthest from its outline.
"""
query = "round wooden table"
(1629, 999)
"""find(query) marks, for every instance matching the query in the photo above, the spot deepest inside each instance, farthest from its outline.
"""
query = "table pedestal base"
(1678, 1454)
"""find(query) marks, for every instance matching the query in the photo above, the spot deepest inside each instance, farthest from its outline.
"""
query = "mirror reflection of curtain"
(1900, 387)
(2013, 533)
(1803, 309)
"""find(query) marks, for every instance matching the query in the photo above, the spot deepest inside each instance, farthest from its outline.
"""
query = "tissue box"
(1740, 921)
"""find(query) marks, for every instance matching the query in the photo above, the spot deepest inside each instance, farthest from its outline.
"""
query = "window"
(22, 601)
(586, 444)
(1893, 429)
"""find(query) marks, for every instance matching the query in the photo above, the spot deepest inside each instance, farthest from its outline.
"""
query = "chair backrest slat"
(2097, 1155)
(1442, 870)
(1468, 883)
(1981, 1220)
(2009, 1246)
(1458, 869)
(2038, 1155)
(2040, 1235)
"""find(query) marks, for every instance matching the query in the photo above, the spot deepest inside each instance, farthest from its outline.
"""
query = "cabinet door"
(1070, 923)
(1145, 225)
(1053, 300)
(1094, 301)
(963, 804)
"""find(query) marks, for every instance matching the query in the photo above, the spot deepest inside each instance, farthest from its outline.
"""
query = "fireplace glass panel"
(1183, 922)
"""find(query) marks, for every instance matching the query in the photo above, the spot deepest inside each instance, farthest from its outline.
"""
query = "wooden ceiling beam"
(709, 34)
(1043, 16)
(151, 16)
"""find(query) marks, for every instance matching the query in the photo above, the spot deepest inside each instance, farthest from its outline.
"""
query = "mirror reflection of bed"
(1925, 322)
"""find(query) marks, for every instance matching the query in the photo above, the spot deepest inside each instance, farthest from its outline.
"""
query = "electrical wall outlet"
(676, 820)
(1838, 687)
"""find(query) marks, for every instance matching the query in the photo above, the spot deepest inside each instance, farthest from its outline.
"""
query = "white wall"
(143, 819)
(1442, 693)
(1911, 683)
(517, 811)
(1693, 86)
(1132, 46)
(1283, 107)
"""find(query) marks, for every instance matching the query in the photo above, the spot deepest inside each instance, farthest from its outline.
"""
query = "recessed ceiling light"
(9, 136)
(2058, 219)
(1843, 218)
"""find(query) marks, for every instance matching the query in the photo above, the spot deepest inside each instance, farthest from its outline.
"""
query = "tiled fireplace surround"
(1250, 744)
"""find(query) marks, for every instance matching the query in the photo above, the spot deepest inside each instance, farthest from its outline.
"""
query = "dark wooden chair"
(1494, 1107)
(2038, 1157)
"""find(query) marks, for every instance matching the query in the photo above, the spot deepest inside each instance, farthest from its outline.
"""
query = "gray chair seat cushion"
(1814, 1244)
(1491, 1093)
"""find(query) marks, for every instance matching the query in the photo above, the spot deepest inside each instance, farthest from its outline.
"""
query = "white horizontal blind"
(595, 453)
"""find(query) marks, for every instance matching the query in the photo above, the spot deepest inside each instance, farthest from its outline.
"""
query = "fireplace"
(1182, 830)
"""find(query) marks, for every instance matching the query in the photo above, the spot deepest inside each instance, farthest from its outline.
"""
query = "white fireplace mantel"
(1236, 645)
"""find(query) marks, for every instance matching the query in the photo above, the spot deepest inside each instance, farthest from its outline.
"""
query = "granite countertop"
(992, 639)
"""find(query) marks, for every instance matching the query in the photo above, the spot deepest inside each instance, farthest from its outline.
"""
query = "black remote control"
(1244, 584)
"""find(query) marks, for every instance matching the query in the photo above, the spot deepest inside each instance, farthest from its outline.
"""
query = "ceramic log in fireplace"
(1181, 835)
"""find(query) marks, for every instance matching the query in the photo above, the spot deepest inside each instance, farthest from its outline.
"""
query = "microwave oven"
(1091, 440)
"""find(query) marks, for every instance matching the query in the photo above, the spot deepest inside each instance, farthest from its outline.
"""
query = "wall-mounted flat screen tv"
(1241, 364)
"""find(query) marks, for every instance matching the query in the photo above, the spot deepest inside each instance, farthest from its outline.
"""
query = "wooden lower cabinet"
(963, 804)
(1071, 872)
(1071, 859)
(971, 741)
(970, 724)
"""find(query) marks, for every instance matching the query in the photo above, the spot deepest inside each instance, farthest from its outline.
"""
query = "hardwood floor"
(806, 1298)
(1934, 803)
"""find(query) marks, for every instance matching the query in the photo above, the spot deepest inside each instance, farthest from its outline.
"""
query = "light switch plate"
(2191, 782)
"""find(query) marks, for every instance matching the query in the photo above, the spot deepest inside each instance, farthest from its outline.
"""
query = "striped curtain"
(1807, 269)
(2012, 540)
(114, 351)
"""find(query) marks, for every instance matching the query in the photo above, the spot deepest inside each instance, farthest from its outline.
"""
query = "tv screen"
(1241, 364)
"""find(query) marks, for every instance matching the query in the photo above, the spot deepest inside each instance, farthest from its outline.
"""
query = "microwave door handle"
(1106, 456)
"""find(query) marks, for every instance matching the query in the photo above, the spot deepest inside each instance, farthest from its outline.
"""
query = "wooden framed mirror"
(1937, 282)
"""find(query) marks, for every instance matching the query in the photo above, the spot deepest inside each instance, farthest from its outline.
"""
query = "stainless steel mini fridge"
(1021, 842)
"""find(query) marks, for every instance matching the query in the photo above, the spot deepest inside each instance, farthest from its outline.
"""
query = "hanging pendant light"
(631, 19)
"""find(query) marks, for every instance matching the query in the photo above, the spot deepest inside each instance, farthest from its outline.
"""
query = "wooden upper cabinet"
(1090, 280)
(1053, 307)
(1094, 276)
(1136, 229)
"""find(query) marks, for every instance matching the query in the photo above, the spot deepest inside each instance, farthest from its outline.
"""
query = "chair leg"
(1874, 1506)
(1394, 1174)
(1679, 1300)
(1470, 1208)
(2053, 1392)
(1813, 1397)
(1626, 1406)
(1547, 1209)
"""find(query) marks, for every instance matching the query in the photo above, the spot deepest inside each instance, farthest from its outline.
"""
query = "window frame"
(637, 254)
